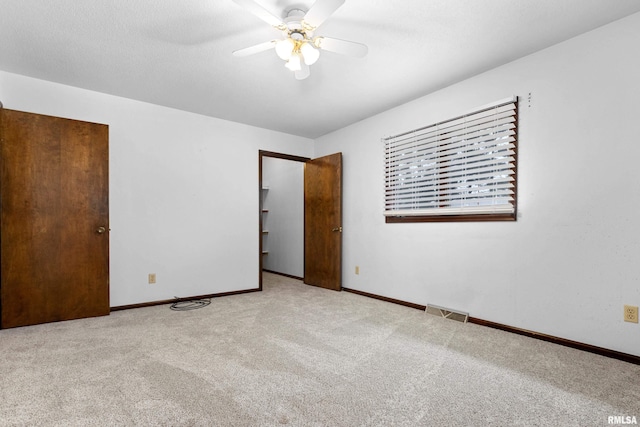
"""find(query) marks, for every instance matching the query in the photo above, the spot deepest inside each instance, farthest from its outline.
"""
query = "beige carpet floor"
(301, 356)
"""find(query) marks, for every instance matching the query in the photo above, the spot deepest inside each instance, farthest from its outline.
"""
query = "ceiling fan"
(299, 47)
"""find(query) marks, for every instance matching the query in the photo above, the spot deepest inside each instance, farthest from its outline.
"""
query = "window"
(463, 169)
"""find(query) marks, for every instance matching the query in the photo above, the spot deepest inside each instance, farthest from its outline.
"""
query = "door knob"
(338, 229)
(101, 230)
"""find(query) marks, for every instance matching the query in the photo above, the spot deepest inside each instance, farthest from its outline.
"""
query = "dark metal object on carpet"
(185, 305)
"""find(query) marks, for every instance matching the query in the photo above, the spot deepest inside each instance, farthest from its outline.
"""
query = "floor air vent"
(447, 313)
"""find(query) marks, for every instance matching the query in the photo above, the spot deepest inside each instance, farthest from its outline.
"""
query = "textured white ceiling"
(178, 53)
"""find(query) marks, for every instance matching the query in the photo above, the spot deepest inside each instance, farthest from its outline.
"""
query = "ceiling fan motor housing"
(296, 28)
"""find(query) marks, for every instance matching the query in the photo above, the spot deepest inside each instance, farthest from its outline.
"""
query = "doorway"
(276, 170)
(322, 218)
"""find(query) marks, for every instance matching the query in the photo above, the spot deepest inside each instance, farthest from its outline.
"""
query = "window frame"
(461, 216)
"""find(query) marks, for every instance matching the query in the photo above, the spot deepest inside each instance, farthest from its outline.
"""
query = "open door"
(323, 222)
(54, 216)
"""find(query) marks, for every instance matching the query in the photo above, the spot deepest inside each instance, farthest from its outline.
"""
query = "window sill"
(451, 218)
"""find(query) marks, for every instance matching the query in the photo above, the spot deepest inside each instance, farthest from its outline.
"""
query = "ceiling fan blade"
(320, 11)
(342, 47)
(255, 49)
(304, 71)
(261, 13)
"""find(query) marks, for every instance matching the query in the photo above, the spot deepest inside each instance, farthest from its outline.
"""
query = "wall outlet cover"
(630, 314)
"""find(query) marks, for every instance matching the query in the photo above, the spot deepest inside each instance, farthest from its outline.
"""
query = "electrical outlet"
(630, 314)
(357, 269)
(152, 278)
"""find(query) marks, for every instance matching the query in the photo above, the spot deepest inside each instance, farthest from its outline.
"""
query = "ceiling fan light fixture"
(309, 53)
(284, 48)
(294, 63)
(299, 48)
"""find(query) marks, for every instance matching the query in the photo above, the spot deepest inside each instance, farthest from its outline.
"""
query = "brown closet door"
(323, 222)
(54, 238)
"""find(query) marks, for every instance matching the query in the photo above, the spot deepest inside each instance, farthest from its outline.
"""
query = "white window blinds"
(462, 166)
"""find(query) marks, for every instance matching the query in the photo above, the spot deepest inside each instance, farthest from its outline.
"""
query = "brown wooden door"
(323, 222)
(54, 220)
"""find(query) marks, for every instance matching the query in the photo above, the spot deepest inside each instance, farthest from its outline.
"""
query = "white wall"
(183, 190)
(570, 262)
(285, 220)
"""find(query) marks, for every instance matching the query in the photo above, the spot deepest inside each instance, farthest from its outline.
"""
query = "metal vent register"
(447, 313)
